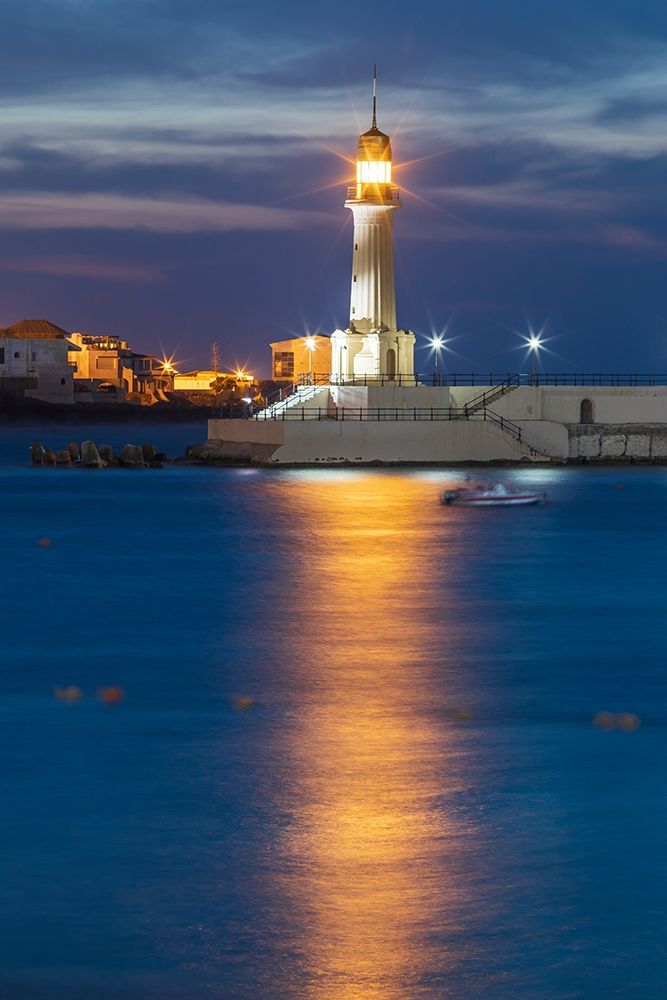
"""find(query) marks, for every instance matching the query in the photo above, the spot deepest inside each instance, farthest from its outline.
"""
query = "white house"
(34, 361)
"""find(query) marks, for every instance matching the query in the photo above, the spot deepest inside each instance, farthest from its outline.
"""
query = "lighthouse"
(372, 347)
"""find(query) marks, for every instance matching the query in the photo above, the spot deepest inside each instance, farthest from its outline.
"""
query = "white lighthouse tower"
(373, 347)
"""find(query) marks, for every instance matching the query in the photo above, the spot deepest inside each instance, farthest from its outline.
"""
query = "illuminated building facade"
(372, 345)
(296, 359)
(102, 362)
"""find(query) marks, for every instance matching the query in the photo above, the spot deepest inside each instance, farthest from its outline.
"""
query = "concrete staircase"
(484, 399)
(302, 395)
(510, 428)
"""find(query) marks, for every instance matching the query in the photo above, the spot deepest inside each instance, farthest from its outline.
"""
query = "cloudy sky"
(174, 171)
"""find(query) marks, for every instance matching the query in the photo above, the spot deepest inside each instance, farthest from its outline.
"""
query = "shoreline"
(35, 412)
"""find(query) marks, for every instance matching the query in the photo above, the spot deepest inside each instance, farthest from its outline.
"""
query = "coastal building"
(207, 380)
(103, 363)
(35, 361)
(301, 358)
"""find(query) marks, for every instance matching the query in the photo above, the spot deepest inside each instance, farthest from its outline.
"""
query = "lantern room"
(373, 159)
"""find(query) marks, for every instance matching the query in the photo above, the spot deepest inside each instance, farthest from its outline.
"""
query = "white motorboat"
(496, 495)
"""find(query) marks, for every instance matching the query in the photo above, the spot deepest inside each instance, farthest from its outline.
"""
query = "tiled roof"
(34, 329)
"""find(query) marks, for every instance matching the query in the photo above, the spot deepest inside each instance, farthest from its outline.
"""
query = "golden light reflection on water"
(373, 860)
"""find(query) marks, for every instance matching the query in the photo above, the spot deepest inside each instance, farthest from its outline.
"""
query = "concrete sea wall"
(332, 442)
(629, 424)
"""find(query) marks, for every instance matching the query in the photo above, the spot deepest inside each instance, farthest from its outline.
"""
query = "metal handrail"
(497, 383)
(374, 191)
(505, 425)
(389, 413)
(550, 379)
(489, 379)
(393, 414)
(360, 380)
(484, 398)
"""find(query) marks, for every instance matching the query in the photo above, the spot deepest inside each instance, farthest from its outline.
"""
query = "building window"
(2, 355)
(354, 277)
(356, 246)
(283, 364)
(17, 354)
(106, 364)
(33, 356)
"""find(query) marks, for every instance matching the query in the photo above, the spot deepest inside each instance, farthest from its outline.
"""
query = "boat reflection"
(373, 857)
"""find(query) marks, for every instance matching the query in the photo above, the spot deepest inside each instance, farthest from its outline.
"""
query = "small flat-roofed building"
(294, 360)
(204, 380)
(34, 361)
(197, 381)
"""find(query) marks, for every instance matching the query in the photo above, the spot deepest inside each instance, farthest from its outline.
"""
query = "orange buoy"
(70, 693)
(110, 695)
(242, 703)
(628, 722)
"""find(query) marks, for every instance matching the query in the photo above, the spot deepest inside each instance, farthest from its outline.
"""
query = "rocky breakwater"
(88, 455)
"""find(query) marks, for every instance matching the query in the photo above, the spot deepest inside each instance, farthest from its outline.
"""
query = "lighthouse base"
(386, 355)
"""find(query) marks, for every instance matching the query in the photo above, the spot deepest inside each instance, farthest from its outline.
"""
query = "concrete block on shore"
(90, 456)
(63, 457)
(75, 451)
(107, 454)
(638, 446)
(37, 453)
(612, 445)
(659, 445)
(589, 446)
(132, 456)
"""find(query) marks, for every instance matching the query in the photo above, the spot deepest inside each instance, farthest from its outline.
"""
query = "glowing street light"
(438, 344)
(311, 345)
(535, 345)
(168, 367)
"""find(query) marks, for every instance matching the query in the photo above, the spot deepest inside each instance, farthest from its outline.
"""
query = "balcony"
(374, 194)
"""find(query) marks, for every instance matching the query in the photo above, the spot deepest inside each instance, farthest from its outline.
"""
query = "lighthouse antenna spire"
(374, 123)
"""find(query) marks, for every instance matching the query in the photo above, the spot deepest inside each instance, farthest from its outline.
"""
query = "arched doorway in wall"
(586, 414)
(391, 364)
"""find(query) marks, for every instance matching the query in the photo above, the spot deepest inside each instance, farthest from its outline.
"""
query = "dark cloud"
(623, 110)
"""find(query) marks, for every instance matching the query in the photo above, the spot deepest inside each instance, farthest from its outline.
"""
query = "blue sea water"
(355, 758)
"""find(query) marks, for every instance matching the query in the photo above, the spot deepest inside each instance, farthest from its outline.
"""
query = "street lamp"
(437, 343)
(311, 345)
(534, 346)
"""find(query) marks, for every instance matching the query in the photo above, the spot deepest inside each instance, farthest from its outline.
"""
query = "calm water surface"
(416, 805)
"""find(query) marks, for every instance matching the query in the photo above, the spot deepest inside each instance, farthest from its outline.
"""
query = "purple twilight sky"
(173, 171)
